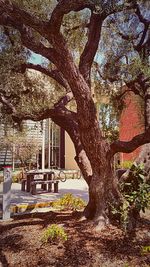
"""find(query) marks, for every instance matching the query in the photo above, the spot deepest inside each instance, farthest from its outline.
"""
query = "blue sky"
(37, 59)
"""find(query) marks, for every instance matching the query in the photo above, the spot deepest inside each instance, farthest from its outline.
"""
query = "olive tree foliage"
(86, 44)
(27, 91)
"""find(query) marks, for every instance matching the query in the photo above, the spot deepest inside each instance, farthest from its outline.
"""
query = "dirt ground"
(21, 245)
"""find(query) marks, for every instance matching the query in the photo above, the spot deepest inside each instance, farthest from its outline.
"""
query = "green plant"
(69, 202)
(127, 164)
(136, 188)
(145, 250)
(16, 176)
(136, 195)
(53, 233)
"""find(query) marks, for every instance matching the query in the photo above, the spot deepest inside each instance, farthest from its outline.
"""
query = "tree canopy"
(121, 37)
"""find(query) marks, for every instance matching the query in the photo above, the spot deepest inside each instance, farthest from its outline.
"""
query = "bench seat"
(48, 182)
(24, 183)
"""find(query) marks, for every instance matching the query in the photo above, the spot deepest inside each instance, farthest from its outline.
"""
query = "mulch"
(21, 245)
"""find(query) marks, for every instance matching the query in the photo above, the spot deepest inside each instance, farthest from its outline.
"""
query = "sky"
(37, 59)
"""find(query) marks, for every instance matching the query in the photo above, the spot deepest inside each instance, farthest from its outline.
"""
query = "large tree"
(46, 29)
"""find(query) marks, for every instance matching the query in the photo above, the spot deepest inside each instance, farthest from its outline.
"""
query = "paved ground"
(77, 187)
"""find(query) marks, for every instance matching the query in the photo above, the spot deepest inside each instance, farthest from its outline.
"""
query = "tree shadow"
(12, 242)
(110, 244)
(3, 260)
(12, 225)
(113, 245)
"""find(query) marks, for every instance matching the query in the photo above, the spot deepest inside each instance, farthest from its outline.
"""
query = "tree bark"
(84, 165)
(103, 190)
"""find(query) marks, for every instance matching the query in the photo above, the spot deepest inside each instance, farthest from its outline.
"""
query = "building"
(58, 150)
(55, 148)
(131, 124)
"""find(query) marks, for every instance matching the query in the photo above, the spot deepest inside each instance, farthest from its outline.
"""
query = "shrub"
(136, 195)
(127, 164)
(136, 188)
(54, 233)
(145, 250)
(69, 202)
(16, 176)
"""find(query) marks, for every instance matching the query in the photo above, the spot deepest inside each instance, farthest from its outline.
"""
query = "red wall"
(130, 124)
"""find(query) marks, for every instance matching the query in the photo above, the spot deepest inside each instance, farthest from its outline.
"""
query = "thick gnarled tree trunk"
(103, 188)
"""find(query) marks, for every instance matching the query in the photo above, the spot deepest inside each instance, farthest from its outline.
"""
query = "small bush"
(145, 250)
(54, 233)
(136, 189)
(69, 202)
(136, 195)
(127, 164)
(16, 176)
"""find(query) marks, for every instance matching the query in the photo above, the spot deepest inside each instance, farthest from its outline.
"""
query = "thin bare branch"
(140, 16)
(119, 96)
(64, 100)
(7, 33)
(146, 23)
(138, 47)
(139, 85)
(6, 102)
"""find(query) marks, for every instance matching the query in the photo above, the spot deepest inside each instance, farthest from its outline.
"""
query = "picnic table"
(35, 177)
(46, 178)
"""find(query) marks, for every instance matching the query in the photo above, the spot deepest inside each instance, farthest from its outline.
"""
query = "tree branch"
(91, 46)
(21, 16)
(139, 84)
(146, 23)
(28, 39)
(54, 74)
(64, 7)
(138, 47)
(7, 103)
(129, 146)
(119, 96)
(139, 14)
(43, 114)
(7, 33)
(58, 109)
(37, 47)
(64, 100)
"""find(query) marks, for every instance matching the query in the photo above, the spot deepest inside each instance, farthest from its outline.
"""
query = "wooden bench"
(48, 182)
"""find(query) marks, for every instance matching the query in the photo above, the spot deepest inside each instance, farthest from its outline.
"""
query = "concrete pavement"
(23, 201)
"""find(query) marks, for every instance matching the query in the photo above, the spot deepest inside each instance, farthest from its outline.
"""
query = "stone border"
(28, 207)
